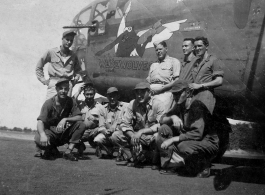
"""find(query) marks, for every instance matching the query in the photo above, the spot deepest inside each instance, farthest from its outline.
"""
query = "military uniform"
(162, 73)
(137, 117)
(59, 67)
(51, 115)
(91, 117)
(111, 120)
(204, 72)
(186, 68)
(198, 139)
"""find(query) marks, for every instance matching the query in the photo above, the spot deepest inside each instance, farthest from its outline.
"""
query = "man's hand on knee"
(44, 141)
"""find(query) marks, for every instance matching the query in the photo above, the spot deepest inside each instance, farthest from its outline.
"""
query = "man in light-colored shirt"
(140, 121)
(63, 64)
(91, 111)
(162, 73)
(110, 122)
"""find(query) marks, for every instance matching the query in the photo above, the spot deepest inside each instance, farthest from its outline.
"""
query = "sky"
(28, 28)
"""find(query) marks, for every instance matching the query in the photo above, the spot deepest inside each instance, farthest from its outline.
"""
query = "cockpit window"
(100, 16)
(120, 9)
(83, 20)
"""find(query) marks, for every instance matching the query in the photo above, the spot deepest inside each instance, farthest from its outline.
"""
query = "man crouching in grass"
(59, 122)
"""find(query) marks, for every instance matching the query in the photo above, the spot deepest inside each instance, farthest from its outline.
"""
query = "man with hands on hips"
(63, 64)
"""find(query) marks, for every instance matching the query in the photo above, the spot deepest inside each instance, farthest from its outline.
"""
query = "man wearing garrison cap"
(187, 137)
(59, 122)
(139, 123)
(63, 64)
(110, 122)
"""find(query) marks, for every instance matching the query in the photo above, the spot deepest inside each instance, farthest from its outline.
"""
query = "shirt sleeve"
(126, 122)
(197, 120)
(217, 68)
(123, 109)
(176, 68)
(40, 65)
(45, 109)
(102, 119)
(148, 79)
(77, 67)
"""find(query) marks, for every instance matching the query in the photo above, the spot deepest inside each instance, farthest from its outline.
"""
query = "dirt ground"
(21, 173)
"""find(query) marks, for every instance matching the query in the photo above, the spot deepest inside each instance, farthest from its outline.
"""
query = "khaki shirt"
(112, 118)
(91, 114)
(164, 71)
(186, 68)
(205, 72)
(59, 66)
(137, 117)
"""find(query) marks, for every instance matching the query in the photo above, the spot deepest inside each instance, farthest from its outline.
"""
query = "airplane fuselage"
(120, 51)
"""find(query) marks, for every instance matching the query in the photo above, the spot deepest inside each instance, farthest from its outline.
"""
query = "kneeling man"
(110, 122)
(91, 111)
(59, 122)
(187, 137)
(140, 121)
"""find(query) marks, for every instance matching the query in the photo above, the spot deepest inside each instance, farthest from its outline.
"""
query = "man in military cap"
(91, 111)
(140, 121)
(113, 112)
(187, 136)
(63, 64)
(59, 122)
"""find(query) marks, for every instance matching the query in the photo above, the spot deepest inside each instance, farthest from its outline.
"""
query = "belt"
(159, 82)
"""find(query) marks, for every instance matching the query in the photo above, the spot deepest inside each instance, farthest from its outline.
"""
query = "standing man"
(91, 111)
(187, 137)
(63, 64)
(189, 57)
(59, 122)
(140, 121)
(113, 112)
(186, 65)
(162, 73)
(207, 74)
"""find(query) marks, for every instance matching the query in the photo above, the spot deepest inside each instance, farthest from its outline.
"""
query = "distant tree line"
(25, 129)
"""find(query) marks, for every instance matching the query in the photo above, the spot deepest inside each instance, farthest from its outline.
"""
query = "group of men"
(169, 123)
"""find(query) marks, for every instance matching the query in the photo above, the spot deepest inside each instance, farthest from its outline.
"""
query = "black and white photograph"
(132, 97)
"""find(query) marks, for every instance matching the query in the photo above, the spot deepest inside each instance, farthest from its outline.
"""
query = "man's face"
(89, 95)
(62, 90)
(200, 48)
(187, 47)
(142, 95)
(161, 52)
(67, 41)
(113, 99)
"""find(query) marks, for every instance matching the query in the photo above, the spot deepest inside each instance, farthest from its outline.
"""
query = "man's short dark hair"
(189, 39)
(89, 88)
(203, 39)
(163, 43)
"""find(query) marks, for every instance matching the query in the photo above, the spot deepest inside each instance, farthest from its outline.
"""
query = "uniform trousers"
(188, 152)
(72, 134)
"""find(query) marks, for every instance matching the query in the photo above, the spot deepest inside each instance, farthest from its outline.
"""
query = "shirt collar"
(166, 58)
(93, 106)
(118, 107)
(58, 51)
(148, 104)
(190, 57)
